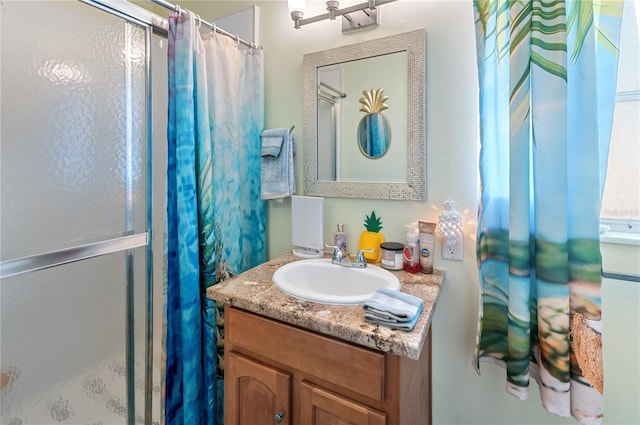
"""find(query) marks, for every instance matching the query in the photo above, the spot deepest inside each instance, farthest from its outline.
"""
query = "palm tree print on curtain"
(547, 75)
(215, 217)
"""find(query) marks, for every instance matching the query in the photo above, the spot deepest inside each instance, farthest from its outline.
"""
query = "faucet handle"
(338, 254)
(334, 247)
(361, 262)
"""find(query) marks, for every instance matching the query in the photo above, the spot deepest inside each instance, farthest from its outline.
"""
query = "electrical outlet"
(453, 249)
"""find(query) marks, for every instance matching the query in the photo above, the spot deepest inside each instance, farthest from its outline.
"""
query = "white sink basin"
(322, 282)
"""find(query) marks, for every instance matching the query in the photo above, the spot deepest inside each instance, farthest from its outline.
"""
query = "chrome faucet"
(341, 257)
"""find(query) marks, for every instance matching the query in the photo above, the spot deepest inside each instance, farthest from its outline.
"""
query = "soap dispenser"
(411, 258)
(340, 238)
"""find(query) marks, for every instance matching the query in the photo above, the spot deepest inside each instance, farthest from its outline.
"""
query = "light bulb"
(296, 8)
(297, 5)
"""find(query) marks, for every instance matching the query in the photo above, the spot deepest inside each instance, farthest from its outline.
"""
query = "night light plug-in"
(450, 229)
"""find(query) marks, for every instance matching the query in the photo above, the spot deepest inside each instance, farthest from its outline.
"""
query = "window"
(621, 200)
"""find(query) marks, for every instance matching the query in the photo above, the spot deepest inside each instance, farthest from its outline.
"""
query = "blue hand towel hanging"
(276, 164)
(272, 142)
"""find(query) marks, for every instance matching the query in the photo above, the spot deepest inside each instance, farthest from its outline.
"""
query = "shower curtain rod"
(213, 27)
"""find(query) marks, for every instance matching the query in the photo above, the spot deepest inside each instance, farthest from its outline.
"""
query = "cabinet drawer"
(360, 369)
(319, 407)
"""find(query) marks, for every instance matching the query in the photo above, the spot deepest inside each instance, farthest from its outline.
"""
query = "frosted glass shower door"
(73, 214)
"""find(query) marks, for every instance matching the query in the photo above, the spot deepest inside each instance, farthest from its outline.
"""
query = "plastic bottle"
(411, 255)
(340, 238)
(426, 242)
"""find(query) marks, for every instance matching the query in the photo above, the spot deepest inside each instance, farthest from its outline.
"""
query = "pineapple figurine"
(371, 238)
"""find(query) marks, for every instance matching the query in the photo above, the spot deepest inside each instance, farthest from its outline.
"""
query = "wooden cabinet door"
(255, 393)
(321, 407)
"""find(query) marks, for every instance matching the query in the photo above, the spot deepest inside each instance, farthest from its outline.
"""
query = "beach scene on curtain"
(547, 74)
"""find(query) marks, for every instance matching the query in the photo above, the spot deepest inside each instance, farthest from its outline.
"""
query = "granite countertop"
(254, 291)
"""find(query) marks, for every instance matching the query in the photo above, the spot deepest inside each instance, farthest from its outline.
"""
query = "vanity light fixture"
(350, 19)
(450, 228)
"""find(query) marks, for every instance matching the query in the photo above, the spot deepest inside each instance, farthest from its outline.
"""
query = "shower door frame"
(146, 19)
(152, 24)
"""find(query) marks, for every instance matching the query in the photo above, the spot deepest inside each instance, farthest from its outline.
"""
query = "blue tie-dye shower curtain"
(547, 75)
(215, 217)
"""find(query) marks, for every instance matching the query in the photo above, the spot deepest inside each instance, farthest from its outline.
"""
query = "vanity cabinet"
(279, 373)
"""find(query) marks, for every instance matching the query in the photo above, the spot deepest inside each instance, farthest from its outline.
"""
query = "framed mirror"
(337, 162)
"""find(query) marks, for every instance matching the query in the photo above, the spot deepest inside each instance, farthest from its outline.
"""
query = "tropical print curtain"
(547, 75)
(215, 218)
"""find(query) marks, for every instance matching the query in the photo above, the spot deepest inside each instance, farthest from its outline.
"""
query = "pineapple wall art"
(374, 130)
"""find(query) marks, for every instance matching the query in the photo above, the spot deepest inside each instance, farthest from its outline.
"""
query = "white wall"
(460, 396)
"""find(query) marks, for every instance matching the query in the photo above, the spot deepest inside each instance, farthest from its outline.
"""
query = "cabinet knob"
(278, 417)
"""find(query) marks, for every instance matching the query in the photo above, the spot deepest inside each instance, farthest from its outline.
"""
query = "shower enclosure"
(80, 256)
(330, 123)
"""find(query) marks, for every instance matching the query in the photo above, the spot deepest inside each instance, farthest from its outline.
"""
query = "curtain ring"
(214, 31)
(179, 10)
(237, 40)
(199, 22)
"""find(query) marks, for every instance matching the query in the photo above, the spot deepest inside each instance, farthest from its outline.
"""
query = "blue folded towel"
(394, 309)
(272, 142)
(276, 172)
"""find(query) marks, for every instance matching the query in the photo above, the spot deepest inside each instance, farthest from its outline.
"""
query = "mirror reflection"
(342, 154)
(374, 135)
